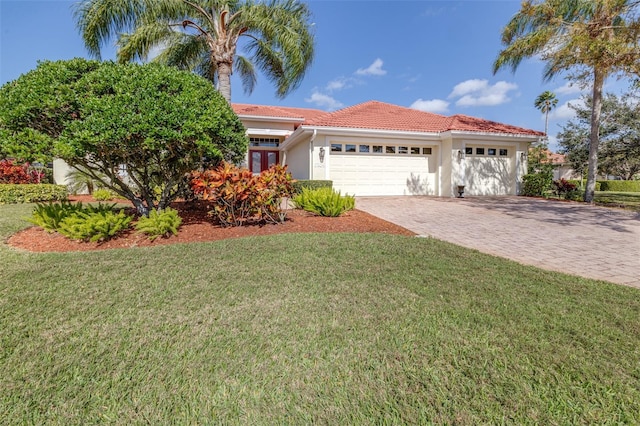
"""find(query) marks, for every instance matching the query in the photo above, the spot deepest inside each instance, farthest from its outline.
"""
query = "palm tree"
(204, 35)
(545, 103)
(593, 38)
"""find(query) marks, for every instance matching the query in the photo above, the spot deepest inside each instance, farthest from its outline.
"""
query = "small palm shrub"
(103, 195)
(159, 223)
(49, 216)
(324, 201)
(94, 225)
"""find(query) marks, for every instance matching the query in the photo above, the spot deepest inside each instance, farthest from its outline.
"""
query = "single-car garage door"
(489, 171)
(391, 170)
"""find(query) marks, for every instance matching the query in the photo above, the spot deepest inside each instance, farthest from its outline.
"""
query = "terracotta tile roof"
(472, 124)
(383, 116)
(277, 111)
(558, 159)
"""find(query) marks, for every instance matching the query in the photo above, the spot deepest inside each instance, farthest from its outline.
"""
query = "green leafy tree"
(619, 136)
(132, 128)
(545, 103)
(593, 39)
(205, 35)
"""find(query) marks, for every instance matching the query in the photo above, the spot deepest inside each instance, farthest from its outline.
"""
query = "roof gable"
(381, 116)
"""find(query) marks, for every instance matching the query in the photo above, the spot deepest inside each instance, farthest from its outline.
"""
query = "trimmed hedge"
(299, 184)
(620, 185)
(31, 193)
(612, 185)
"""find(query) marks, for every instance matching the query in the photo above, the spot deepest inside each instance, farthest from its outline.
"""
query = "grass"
(626, 200)
(291, 329)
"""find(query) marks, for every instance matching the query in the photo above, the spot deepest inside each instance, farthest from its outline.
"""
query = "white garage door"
(489, 171)
(370, 174)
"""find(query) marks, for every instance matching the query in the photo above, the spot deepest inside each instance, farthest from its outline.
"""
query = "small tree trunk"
(594, 138)
(224, 80)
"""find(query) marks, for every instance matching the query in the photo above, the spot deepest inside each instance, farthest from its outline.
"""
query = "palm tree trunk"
(594, 137)
(224, 80)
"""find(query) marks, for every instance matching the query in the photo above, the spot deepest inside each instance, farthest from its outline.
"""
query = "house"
(376, 148)
(561, 169)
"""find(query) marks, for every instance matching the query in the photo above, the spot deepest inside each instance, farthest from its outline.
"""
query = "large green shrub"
(156, 123)
(536, 184)
(324, 201)
(299, 184)
(31, 193)
(620, 185)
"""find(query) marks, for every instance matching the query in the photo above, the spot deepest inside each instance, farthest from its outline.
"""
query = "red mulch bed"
(198, 226)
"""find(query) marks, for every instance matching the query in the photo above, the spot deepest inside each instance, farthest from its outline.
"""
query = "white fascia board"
(484, 135)
(263, 132)
(269, 118)
(294, 138)
(346, 131)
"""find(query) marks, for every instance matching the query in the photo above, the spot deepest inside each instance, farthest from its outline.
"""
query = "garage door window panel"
(336, 147)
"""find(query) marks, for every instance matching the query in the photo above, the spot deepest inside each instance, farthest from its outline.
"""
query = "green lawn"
(627, 200)
(300, 329)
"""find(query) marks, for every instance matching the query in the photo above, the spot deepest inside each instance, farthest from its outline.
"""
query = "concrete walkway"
(589, 241)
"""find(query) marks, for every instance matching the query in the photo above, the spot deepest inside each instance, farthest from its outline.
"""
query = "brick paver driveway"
(589, 241)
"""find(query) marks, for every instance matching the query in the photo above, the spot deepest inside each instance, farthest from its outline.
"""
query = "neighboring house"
(376, 148)
(561, 169)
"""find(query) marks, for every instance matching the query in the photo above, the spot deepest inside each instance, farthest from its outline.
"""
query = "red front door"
(262, 160)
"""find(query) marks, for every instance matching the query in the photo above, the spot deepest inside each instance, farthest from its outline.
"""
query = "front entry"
(262, 160)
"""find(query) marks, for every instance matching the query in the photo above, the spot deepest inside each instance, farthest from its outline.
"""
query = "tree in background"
(203, 36)
(136, 129)
(592, 38)
(619, 136)
(545, 103)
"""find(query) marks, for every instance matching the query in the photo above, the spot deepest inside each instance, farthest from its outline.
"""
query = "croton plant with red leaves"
(238, 197)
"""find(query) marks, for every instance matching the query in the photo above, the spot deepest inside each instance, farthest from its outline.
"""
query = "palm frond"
(247, 73)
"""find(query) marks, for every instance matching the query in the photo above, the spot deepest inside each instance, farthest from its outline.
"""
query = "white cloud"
(433, 105)
(564, 111)
(374, 69)
(340, 83)
(568, 88)
(478, 92)
(324, 101)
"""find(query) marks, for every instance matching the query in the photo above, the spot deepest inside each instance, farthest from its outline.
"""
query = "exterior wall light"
(321, 154)
(523, 156)
(459, 154)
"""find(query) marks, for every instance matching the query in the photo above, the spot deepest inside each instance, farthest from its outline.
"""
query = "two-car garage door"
(402, 173)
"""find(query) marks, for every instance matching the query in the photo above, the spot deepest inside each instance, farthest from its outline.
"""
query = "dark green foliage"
(581, 183)
(536, 184)
(31, 193)
(49, 216)
(620, 185)
(94, 224)
(311, 184)
(159, 122)
(324, 201)
(619, 132)
(159, 223)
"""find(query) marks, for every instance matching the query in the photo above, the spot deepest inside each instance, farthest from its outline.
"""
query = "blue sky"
(431, 55)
